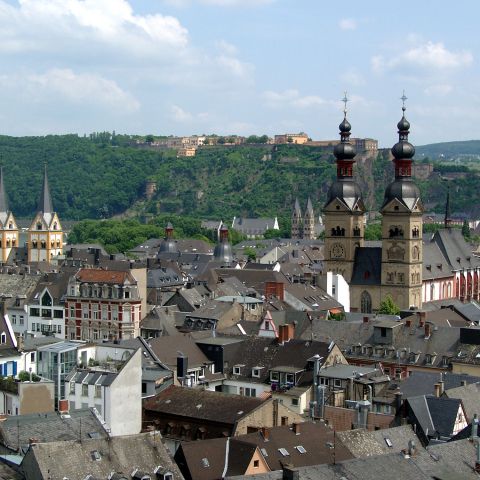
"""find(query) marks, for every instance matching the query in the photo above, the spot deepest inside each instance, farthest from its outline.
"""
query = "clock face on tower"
(337, 250)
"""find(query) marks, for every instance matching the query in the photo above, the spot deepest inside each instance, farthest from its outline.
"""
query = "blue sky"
(239, 66)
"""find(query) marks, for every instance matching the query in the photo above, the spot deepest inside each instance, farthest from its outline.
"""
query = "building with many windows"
(102, 304)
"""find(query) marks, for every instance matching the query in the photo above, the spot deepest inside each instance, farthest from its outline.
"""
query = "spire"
(403, 188)
(45, 202)
(297, 209)
(447, 209)
(345, 188)
(309, 210)
(3, 196)
(223, 249)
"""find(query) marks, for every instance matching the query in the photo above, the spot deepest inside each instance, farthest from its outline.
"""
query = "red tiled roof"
(102, 276)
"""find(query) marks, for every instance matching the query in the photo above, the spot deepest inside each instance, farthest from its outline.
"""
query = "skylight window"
(205, 462)
(284, 452)
(388, 442)
(301, 449)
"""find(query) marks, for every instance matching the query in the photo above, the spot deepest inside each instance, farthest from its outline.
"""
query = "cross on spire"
(403, 98)
(345, 99)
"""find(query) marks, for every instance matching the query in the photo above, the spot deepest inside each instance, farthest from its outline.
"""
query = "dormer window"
(237, 369)
(3, 338)
(256, 372)
(274, 377)
(39, 226)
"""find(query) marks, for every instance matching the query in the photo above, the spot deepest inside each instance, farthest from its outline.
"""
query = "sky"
(182, 67)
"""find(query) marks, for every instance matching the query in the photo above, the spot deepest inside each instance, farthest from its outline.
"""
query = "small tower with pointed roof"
(402, 211)
(344, 210)
(296, 221)
(309, 222)
(8, 226)
(223, 250)
(45, 235)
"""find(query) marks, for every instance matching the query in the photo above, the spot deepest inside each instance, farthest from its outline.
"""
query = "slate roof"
(443, 341)
(434, 265)
(203, 404)
(253, 278)
(455, 249)
(312, 297)
(123, 454)
(435, 415)
(167, 351)
(365, 443)
(16, 431)
(253, 226)
(163, 277)
(206, 458)
(470, 397)
(161, 319)
(367, 269)
(313, 437)
(267, 353)
(423, 383)
(16, 285)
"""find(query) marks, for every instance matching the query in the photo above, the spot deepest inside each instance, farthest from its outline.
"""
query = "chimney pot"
(437, 390)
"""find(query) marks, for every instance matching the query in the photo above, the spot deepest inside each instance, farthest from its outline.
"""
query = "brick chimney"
(365, 319)
(421, 319)
(63, 406)
(285, 333)
(428, 329)
(265, 433)
(296, 428)
(408, 322)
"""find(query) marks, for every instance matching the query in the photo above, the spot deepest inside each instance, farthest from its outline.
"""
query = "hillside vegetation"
(103, 175)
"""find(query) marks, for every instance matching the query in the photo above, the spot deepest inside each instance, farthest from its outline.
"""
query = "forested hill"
(449, 149)
(101, 176)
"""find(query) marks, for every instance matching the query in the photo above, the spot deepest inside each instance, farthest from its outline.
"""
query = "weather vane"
(345, 100)
(403, 98)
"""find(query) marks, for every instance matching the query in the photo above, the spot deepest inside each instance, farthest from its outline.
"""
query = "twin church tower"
(395, 267)
(44, 236)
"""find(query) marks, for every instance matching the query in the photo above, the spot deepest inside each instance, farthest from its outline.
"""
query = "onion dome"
(168, 245)
(345, 188)
(403, 188)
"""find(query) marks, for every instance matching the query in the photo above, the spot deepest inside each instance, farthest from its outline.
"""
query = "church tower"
(296, 221)
(8, 226)
(344, 210)
(402, 227)
(309, 222)
(45, 236)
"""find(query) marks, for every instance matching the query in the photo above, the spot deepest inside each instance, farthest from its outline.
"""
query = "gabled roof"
(96, 275)
(367, 269)
(15, 432)
(204, 404)
(470, 397)
(455, 249)
(435, 415)
(101, 457)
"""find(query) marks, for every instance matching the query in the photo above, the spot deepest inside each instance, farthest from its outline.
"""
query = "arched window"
(366, 302)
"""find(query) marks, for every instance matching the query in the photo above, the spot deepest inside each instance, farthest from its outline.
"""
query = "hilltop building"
(395, 267)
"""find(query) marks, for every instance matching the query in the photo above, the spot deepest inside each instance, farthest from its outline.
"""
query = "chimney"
(477, 461)
(411, 448)
(32, 440)
(365, 319)
(408, 322)
(63, 406)
(296, 428)
(474, 434)
(442, 387)
(463, 383)
(428, 329)
(437, 390)
(398, 401)
(421, 319)
(265, 433)
(288, 473)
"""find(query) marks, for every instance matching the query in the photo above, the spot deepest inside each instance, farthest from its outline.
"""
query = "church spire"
(45, 203)
(3, 196)
(447, 209)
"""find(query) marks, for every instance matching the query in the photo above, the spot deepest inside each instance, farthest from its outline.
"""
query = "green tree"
(388, 306)
(466, 230)
(149, 139)
(251, 253)
(373, 231)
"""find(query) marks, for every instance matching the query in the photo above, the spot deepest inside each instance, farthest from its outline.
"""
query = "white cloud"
(226, 47)
(347, 24)
(438, 90)
(180, 115)
(352, 77)
(64, 86)
(220, 3)
(292, 98)
(427, 56)
(60, 25)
